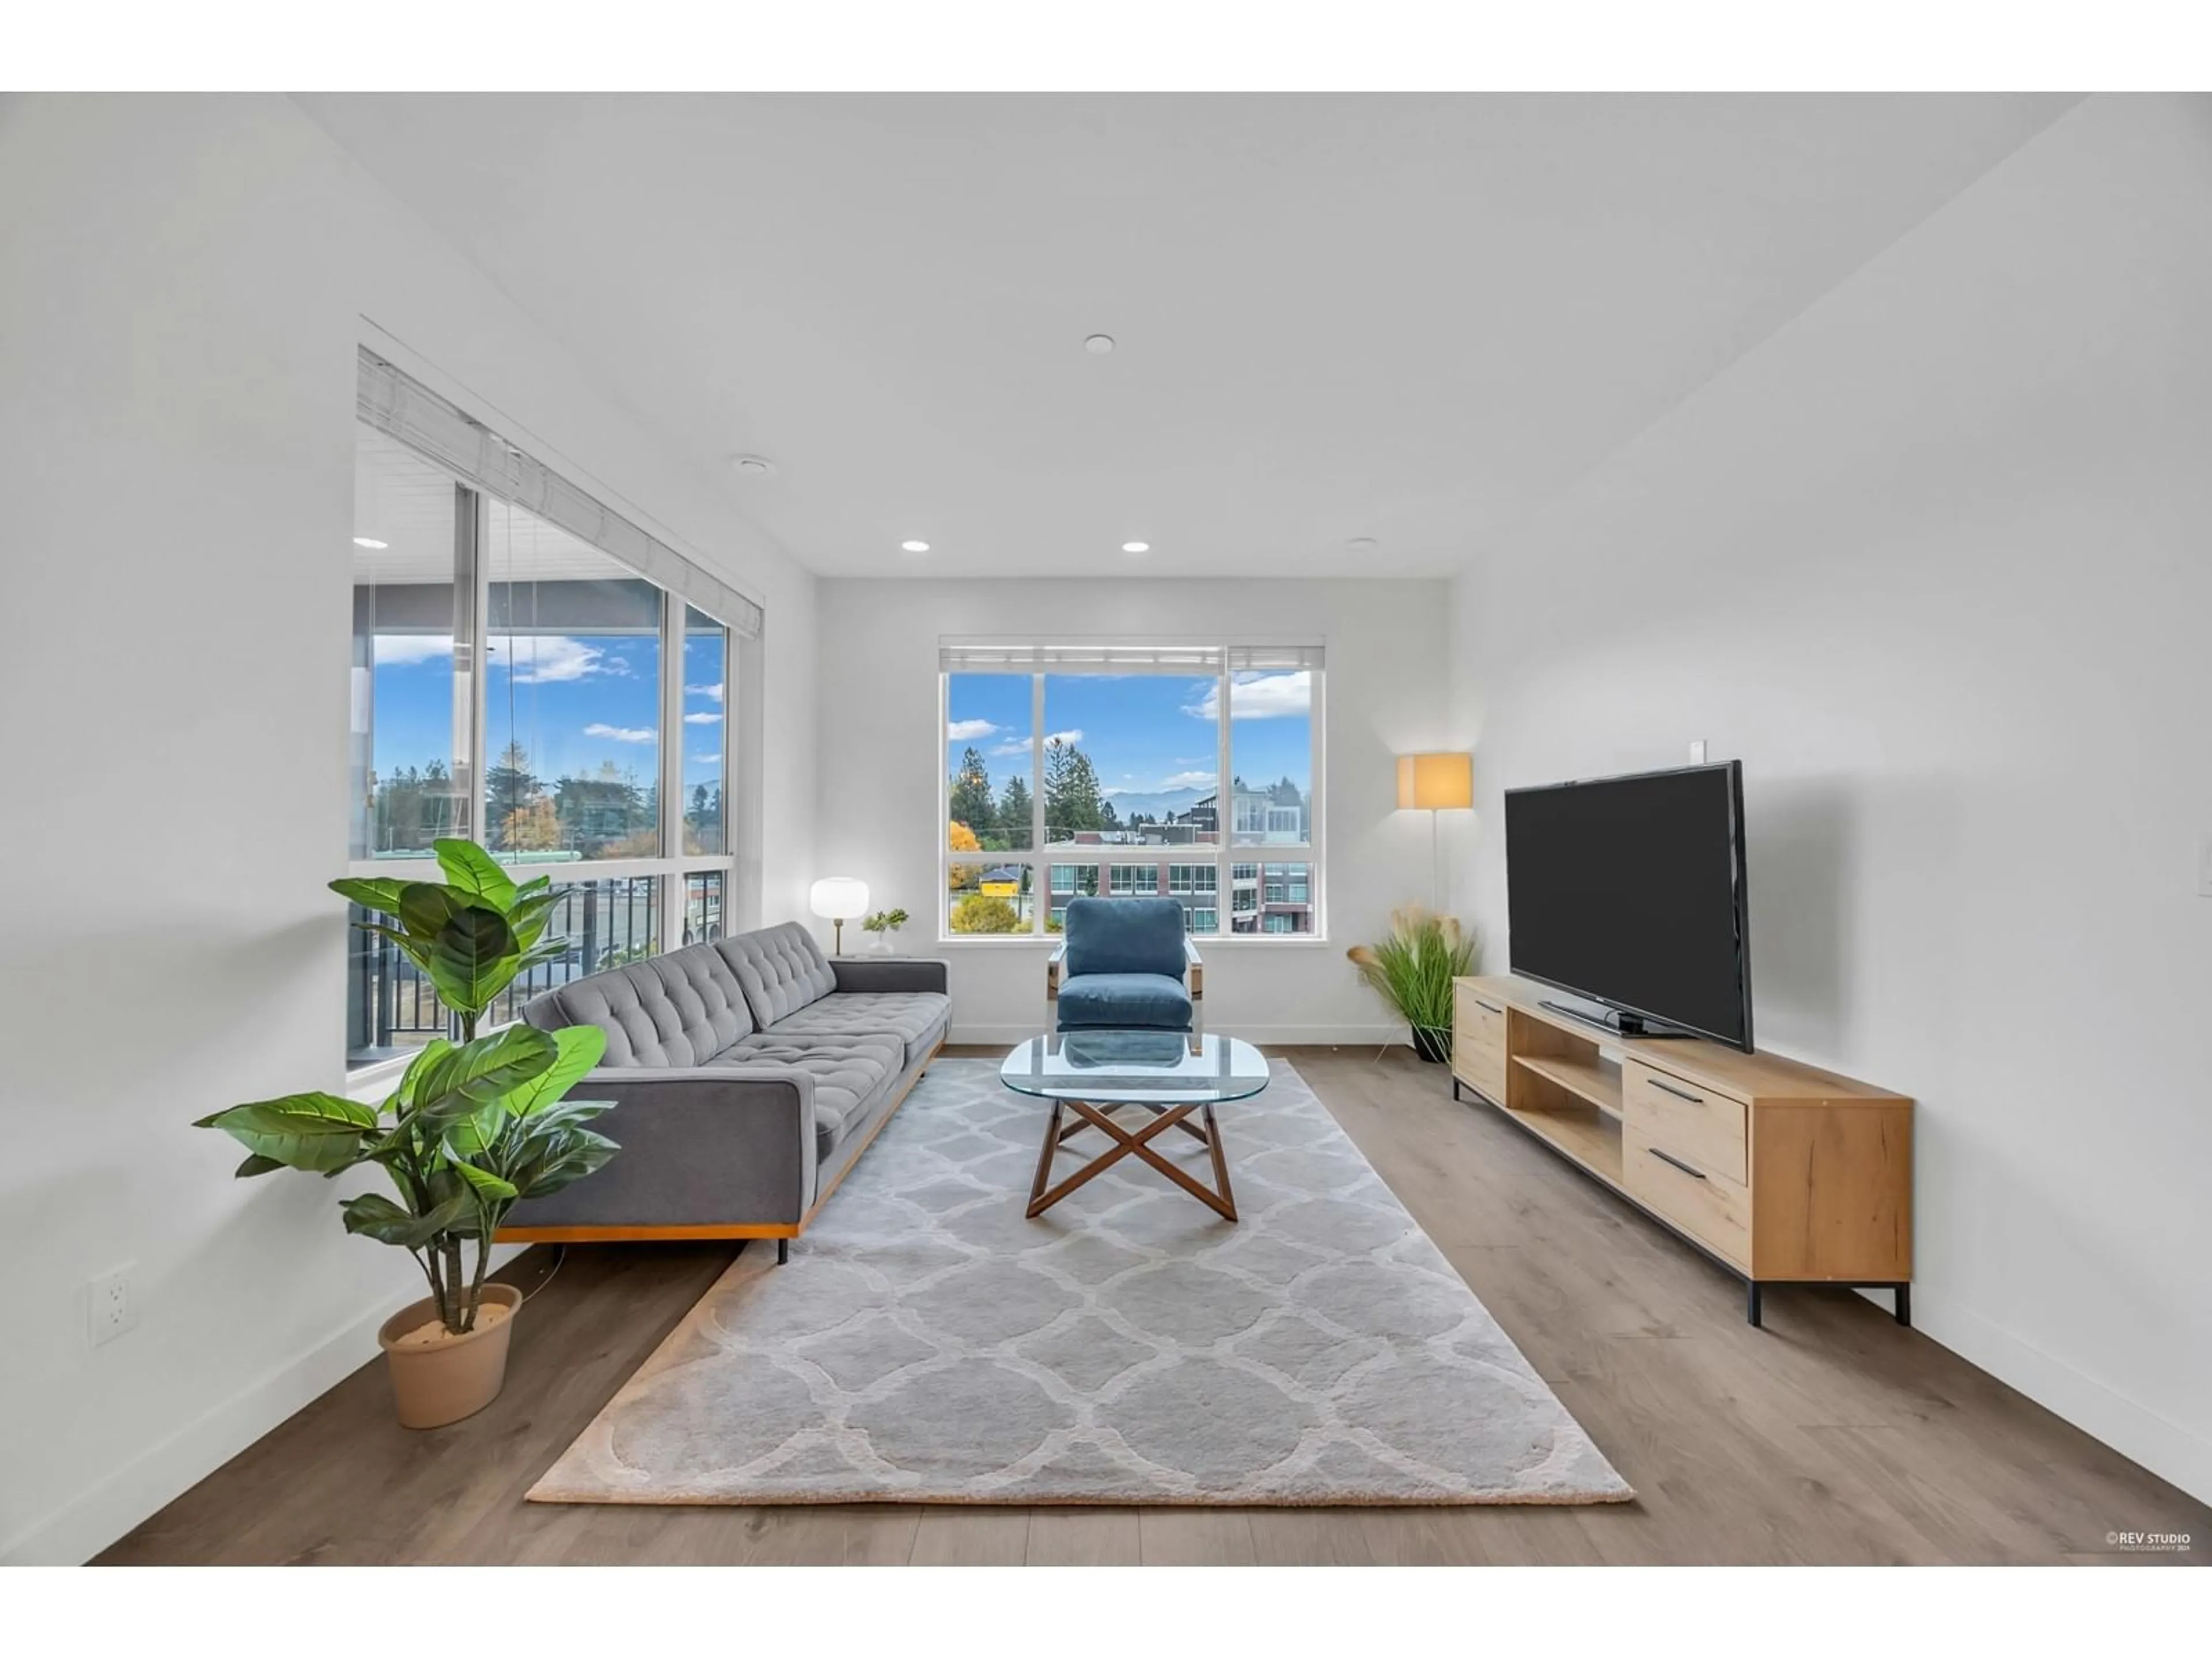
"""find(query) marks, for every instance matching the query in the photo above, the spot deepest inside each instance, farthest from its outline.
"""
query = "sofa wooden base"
(782, 1231)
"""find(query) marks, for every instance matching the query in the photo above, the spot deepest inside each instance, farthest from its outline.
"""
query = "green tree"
(1013, 817)
(1071, 790)
(509, 788)
(970, 802)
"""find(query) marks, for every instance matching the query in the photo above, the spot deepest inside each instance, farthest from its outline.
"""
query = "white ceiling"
(1412, 318)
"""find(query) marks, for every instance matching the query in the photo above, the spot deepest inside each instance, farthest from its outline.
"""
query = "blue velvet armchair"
(1125, 963)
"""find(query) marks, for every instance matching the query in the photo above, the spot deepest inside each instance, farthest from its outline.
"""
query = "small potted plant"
(881, 926)
(1413, 969)
(473, 1126)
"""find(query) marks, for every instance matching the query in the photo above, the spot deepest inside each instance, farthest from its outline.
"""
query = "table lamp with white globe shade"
(839, 899)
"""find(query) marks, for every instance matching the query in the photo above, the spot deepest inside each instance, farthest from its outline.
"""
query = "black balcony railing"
(392, 1008)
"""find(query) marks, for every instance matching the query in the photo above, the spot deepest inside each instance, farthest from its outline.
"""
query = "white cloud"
(706, 760)
(1021, 745)
(1258, 697)
(703, 717)
(621, 733)
(398, 650)
(968, 731)
(712, 693)
(547, 658)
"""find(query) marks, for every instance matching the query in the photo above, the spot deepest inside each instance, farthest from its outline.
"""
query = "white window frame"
(1226, 856)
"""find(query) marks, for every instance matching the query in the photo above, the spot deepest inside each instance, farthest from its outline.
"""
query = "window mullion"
(1225, 798)
(1038, 829)
(671, 723)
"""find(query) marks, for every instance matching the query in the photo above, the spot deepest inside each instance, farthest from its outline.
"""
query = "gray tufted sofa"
(748, 1076)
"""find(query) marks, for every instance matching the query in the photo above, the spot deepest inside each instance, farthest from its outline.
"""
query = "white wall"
(183, 283)
(881, 746)
(1933, 562)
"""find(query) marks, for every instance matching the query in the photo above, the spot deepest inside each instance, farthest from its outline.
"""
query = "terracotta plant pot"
(450, 1377)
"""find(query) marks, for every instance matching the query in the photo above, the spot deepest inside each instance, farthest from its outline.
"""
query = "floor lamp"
(1434, 784)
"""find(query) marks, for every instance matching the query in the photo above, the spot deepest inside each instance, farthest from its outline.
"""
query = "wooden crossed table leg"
(1218, 1198)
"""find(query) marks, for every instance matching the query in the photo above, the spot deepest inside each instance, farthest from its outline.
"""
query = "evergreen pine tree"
(970, 803)
(1014, 816)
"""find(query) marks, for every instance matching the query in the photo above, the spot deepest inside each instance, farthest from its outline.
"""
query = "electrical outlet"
(114, 1310)
(1696, 751)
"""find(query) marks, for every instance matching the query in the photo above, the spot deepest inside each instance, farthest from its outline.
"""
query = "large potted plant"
(1413, 969)
(472, 1128)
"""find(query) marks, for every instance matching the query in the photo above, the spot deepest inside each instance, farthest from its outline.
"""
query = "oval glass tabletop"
(1157, 1067)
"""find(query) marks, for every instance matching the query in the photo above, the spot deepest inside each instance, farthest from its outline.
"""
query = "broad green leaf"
(574, 1154)
(256, 1164)
(474, 1136)
(482, 1073)
(578, 1048)
(381, 893)
(425, 907)
(315, 1131)
(472, 871)
(527, 916)
(486, 1185)
(374, 1215)
(473, 959)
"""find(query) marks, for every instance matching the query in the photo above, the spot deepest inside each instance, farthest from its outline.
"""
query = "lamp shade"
(839, 898)
(1435, 782)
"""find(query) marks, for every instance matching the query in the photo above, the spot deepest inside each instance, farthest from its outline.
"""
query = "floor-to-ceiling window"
(586, 685)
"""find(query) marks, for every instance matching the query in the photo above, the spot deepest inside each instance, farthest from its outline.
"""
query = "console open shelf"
(1583, 1132)
(1587, 1077)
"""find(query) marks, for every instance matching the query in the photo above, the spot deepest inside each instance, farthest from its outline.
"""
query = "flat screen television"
(1629, 892)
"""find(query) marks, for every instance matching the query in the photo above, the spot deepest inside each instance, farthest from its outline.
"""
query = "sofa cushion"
(680, 1009)
(851, 1074)
(1124, 936)
(781, 969)
(1128, 1000)
(917, 1018)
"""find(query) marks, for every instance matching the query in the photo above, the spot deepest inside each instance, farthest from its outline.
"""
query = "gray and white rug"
(928, 1343)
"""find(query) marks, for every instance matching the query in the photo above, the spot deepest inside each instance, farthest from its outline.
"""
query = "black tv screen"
(1629, 892)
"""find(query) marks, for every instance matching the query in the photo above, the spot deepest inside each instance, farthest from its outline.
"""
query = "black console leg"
(1455, 1088)
(1751, 1302)
(782, 1251)
(1904, 1294)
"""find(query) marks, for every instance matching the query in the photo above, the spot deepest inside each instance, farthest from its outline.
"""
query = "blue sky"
(574, 702)
(1145, 733)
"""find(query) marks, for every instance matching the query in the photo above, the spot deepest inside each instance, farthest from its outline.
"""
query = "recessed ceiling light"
(370, 541)
(1136, 547)
(913, 547)
(753, 466)
(1361, 544)
(1099, 345)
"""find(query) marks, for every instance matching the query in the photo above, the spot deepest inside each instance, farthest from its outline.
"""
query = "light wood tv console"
(1780, 1172)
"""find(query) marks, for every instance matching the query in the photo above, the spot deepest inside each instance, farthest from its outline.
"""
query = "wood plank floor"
(1830, 1436)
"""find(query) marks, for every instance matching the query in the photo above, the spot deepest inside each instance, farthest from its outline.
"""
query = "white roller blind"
(1096, 657)
(394, 402)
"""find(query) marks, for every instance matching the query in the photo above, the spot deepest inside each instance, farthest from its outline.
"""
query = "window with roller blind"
(1120, 770)
(533, 673)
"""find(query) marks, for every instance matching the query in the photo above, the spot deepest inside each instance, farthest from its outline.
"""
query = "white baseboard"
(2166, 1450)
(1348, 1036)
(89, 1523)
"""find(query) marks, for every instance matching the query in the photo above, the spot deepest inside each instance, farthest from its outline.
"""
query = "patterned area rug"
(927, 1344)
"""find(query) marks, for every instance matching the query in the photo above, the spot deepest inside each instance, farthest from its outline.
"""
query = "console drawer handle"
(1695, 1175)
(1492, 1006)
(1679, 1094)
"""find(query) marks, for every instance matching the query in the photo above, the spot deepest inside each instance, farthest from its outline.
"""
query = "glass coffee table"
(1090, 1075)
